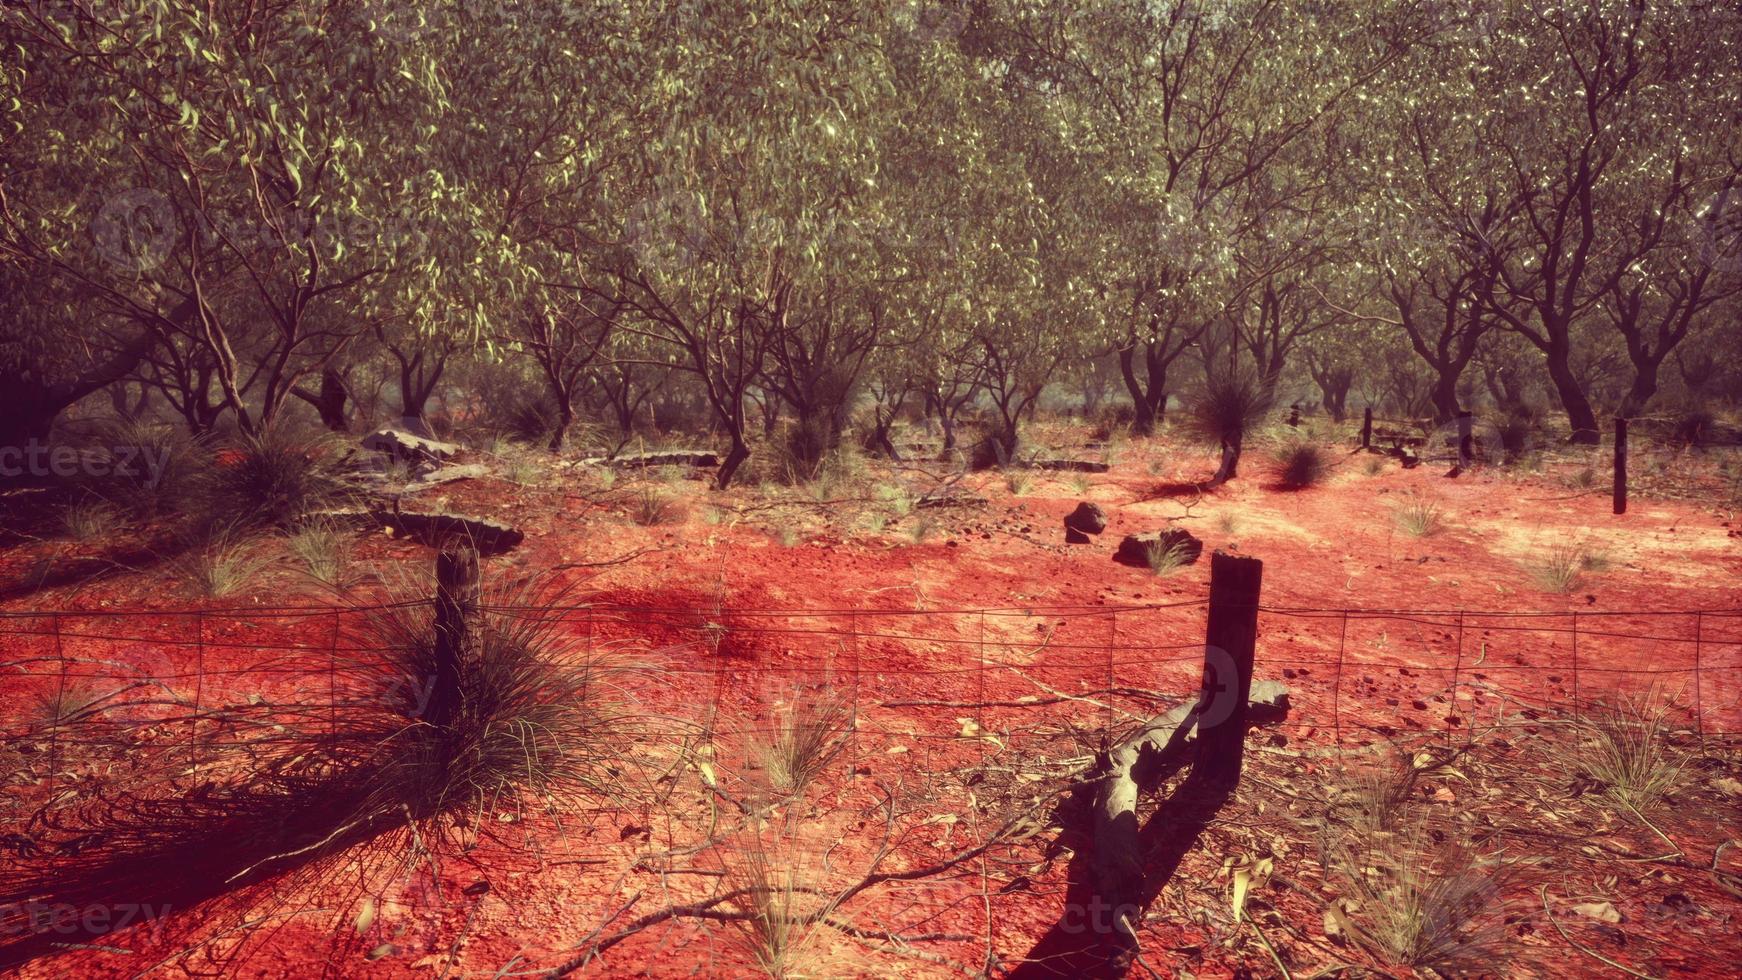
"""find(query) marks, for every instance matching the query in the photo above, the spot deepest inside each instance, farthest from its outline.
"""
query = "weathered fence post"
(1620, 465)
(456, 610)
(1367, 428)
(1466, 439)
(1230, 640)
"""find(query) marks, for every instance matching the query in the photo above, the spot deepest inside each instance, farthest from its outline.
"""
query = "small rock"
(1074, 536)
(1088, 518)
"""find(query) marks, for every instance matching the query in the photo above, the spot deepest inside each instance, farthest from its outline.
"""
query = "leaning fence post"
(1230, 640)
(1466, 439)
(456, 609)
(1367, 428)
(1620, 465)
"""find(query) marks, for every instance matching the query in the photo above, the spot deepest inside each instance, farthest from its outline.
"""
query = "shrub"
(1232, 405)
(276, 478)
(1301, 464)
(1018, 480)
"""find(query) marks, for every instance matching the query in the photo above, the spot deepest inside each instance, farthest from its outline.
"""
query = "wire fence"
(923, 674)
(952, 702)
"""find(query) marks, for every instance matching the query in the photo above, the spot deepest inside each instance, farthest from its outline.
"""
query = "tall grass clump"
(1561, 569)
(1431, 907)
(1232, 406)
(149, 469)
(777, 924)
(224, 562)
(803, 735)
(90, 520)
(1300, 464)
(323, 548)
(358, 777)
(652, 507)
(1626, 749)
(278, 477)
(1419, 517)
(1165, 559)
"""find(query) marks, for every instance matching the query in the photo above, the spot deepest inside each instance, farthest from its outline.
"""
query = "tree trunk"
(735, 458)
(330, 401)
(1640, 393)
(1143, 410)
(1580, 415)
(1445, 394)
(1230, 463)
(565, 417)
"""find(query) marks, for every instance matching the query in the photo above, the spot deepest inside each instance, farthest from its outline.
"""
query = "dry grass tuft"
(805, 733)
(1419, 518)
(1626, 749)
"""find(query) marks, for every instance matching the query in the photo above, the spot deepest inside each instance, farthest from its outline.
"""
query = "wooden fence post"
(456, 610)
(1367, 428)
(1230, 642)
(1620, 465)
(1466, 439)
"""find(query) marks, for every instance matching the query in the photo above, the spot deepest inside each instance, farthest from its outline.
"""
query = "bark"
(1577, 405)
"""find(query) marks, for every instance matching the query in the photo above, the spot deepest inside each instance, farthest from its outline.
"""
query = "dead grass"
(1419, 517)
(652, 507)
(1626, 749)
(803, 735)
(1166, 559)
(226, 564)
(1431, 906)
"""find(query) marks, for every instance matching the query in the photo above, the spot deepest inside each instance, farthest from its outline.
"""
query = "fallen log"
(662, 457)
(1135, 766)
(1070, 465)
(438, 530)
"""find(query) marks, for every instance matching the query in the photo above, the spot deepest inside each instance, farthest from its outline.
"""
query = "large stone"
(1088, 518)
(1135, 549)
(404, 445)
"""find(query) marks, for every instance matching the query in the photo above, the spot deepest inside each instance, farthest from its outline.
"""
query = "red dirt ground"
(1035, 649)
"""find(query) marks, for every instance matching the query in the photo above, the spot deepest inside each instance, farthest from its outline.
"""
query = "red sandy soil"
(1015, 639)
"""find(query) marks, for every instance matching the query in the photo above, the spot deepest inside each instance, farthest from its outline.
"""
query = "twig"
(1586, 950)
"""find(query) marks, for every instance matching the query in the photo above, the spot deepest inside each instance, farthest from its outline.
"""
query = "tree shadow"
(108, 867)
(1087, 940)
